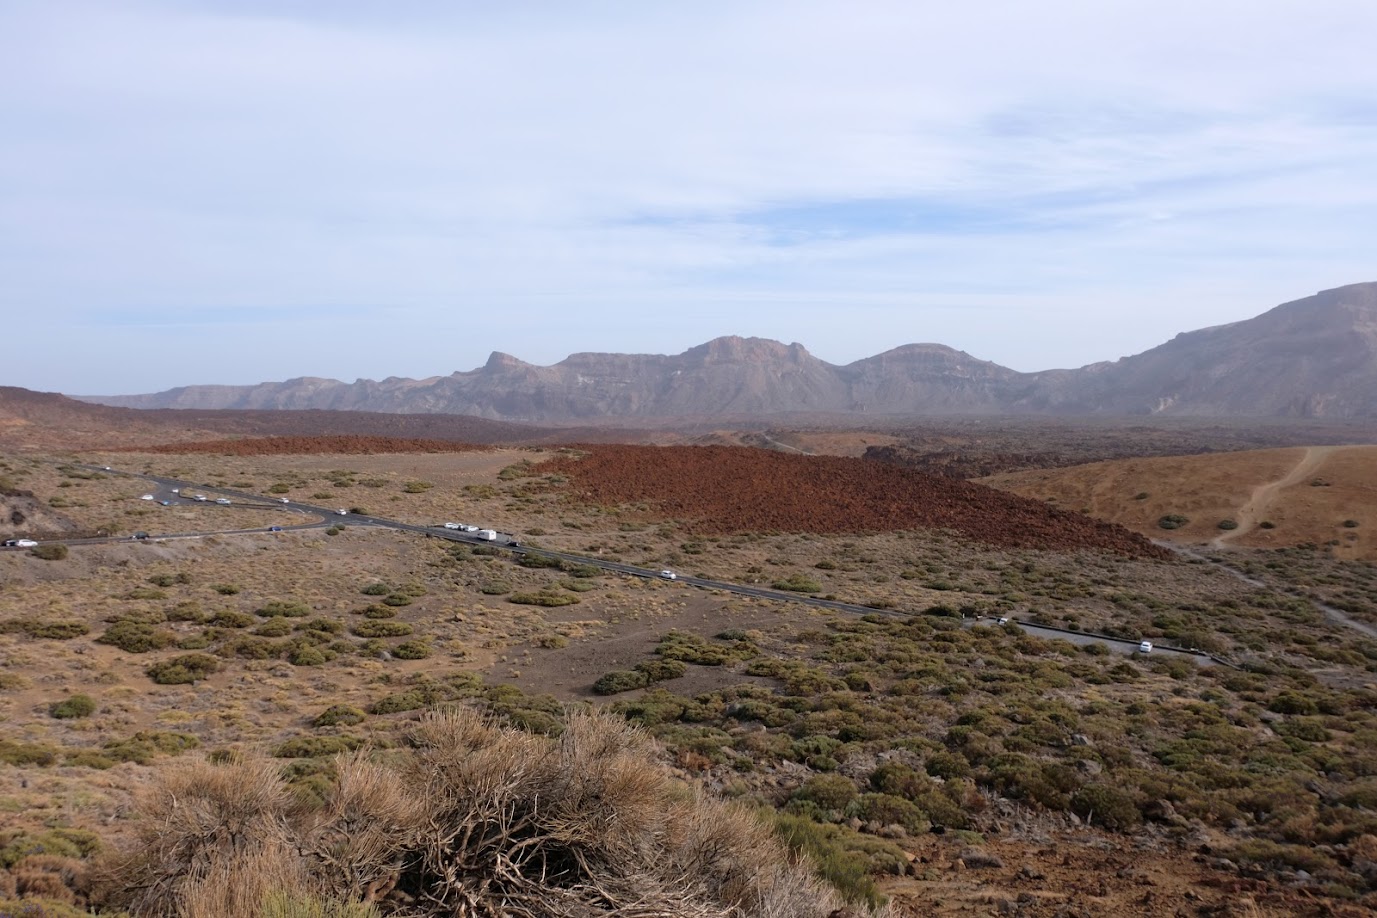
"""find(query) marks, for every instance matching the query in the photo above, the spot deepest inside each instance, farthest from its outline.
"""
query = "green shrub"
(412, 650)
(12, 753)
(73, 707)
(377, 588)
(841, 856)
(338, 715)
(417, 487)
(55, 551)
(1228, 524)
(226, 589)
(310, 747)
(189, 611)
(620, 680)
(1293, 703)
(396, 600)
(1350, 524)
(136, 637)
(231, 619)
(660, 670)
(495, 588)
(548, 598)
(274, 627)
(379, 629)
(829, 792)
(379, 612)
(1106, 805)
(309, 655)
(283, 609)
(887, 809)
(56, 631)
(1172, 521)
(146, 745)
(182, 670)
(798, 583)
(321, 626)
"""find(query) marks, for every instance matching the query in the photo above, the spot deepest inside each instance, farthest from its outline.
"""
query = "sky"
(233, 192)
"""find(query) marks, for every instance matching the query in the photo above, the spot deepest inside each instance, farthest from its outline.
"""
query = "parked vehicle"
(1145, 647)
(489, 535)
(466, 528)
(453, 526)
(146, 497)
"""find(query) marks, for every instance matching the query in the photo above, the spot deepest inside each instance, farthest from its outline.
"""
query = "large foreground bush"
(475, 820)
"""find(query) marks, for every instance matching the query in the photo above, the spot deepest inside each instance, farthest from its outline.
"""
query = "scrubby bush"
(231, 619)
(338, 715)
(549, 598)
(1105, 805)
(472, 820)
(377, 588)
(188, 668)
(798, 583)
(283, 608)
(1172, 521)
(620, 680)
(412, 650)
(54, 551)
(136, 637)
(56, 631)
(379, 629)
(378, 612)
(1228, 524)
(396, 600)
(73, 707)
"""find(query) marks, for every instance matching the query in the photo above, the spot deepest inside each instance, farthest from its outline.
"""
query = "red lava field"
(723, 489)
(296, 446)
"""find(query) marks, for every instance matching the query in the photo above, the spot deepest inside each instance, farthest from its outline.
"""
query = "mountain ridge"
(1312, 357)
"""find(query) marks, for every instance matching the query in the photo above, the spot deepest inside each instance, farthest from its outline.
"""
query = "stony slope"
(723, 489)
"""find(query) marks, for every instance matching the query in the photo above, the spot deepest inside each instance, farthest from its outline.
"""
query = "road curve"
(329, 516)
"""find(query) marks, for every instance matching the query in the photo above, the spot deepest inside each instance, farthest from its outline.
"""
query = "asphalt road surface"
(174, 490)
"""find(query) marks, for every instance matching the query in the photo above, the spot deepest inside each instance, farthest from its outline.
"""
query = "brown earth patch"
(293, 446)
(720, 490)
(1278, 498)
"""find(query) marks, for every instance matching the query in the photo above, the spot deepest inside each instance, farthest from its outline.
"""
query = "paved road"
(328, 516)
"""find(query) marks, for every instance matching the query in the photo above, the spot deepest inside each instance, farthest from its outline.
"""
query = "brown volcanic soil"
(299, 446)
(722, 489)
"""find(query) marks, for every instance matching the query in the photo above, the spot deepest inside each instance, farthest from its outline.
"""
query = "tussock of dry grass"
(478, 820)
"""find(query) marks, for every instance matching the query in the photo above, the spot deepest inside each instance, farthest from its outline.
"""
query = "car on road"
(283, 500)
(176, 490)
(146, 497)
(140, 536)
(21, 543)
(669, 575)
(165, 503)
(453, 526)
(342, 512)
(1145, 647)
(199, 497)
(106, 468)
(274, 528)
(1002, 620)
(223, 501)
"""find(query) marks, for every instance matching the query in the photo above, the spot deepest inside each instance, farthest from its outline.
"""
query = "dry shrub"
(201, 826)
(477, 821)
(64, 879)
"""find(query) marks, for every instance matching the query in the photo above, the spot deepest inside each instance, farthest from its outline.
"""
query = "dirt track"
(1255, 510)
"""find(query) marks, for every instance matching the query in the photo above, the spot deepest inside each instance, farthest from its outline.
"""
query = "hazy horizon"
(230, 193)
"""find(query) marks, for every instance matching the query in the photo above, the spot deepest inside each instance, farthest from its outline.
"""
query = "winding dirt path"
(1255, 509)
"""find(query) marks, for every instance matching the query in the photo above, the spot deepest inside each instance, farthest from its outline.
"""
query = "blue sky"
(231, 192)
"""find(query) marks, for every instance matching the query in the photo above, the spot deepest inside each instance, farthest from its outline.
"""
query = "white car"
(176, 490)
(283, 500)
(25, 543)
(1002, 621)
(453, 526)
(223, 501)
(669, 575)
(342, 512)
(199, 497)
(1145, 647)
(146, 497)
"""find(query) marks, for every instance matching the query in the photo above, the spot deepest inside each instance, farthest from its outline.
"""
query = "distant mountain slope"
(1315, 357)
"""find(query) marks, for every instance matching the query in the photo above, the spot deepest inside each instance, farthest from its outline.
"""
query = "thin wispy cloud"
(406, 187)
